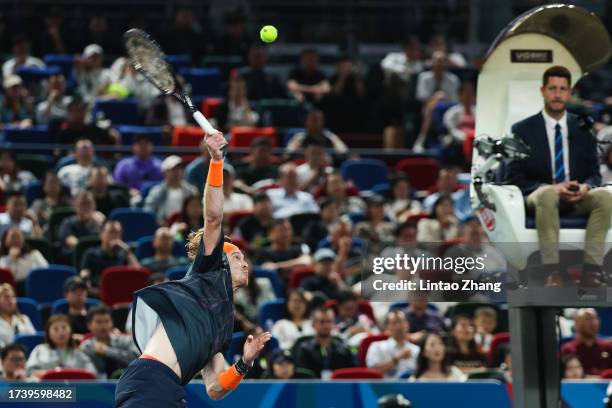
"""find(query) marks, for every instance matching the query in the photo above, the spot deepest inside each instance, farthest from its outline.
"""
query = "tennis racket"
(148, 58)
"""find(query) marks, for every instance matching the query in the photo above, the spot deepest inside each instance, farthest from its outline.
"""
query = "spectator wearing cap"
(108, 351)
(197, 171)
(295, 322)
(283, 254)
(314, 131)
(21, 57)
(111, 252)
(375, 228)
(13, 358)
(55, 107)
(288, 200)
(75, 175)
(594, 353)
(17, 256)
(258, 166)
(236, 109)
(312, 172)
(282, 366)
(307, 83)
(323, 353)
(401, 205)
(91, 78)
(12, 322)
(106, 199)
(86, 222)
(353, 326)
(163, 258)
(337, 189)
(255, 228)
(328, 279)
(75, 293)
(422, 319)
(233, 201)
(16, 106)
(316, 230)
(167, 197)
(260, 83)
(16, 214)
(396, 355)
(133, 171)
(75, 127)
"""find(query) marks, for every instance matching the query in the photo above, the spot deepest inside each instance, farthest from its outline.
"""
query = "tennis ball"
(117, 90)
(268, 34)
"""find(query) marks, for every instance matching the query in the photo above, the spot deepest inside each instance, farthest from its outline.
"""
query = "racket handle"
(203, 122)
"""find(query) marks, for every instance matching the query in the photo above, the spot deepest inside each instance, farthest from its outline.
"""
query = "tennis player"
(183, 326)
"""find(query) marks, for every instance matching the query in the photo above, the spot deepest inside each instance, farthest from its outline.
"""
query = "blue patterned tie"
(559, 163)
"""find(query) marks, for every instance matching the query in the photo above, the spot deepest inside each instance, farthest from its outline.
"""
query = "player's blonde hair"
(193, 242)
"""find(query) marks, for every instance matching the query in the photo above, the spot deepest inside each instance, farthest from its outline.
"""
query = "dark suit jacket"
(536, 170)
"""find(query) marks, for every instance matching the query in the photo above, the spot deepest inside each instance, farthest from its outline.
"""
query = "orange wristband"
(230, 378)
(215, 173)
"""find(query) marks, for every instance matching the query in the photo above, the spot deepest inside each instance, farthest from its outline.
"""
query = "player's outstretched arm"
(220, 382)
(213, 192)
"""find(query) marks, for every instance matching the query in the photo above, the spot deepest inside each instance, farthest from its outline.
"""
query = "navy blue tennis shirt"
(196, 311)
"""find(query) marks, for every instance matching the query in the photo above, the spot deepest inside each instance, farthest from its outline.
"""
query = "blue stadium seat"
(119, 112)
(234, 351)
(146, 187)
(365, 173)
(437, 117)
(34, 190)
(61, 305)
(270, 312)
(398, 305)
(144, 248)
(32, 135)
(30, 340)
(565, 222)
(277, 285)
(29, 307)
(179, 62)
(32, 74)
(605, 318)
(45, 285)
(281, 112)
(136, 222)
(358, 244)
(129, 132)
(64, 61)
(177, 272)
(203, 81)
(290, 132)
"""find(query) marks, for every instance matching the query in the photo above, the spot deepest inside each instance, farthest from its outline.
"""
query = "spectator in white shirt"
(461, 118)
(12, 322)
(92, 79)
(311, 173)
(55, 107)
(396, 355)
(288, 200)
(314, 130)
(21, 57)
(295, 323)
(17, 256)
(485, 322)
(233, 201)
(16, 214)
(76, 175)
(405, 63)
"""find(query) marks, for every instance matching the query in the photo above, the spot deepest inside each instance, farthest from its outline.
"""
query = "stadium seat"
(30, 341)
(44, 246)
(187, 136)
(34, 75)
(281, 112)
(119, 314)
(605, 319)
(365, 173)
(270, 312)
(242, 136)
(136, 222)
(118, 283)
(298, 274)
(83, 245)
(355, 373)
(146, 187)
(203, 81)
(67, 374)
(144, 248)
(277, 285)
(177, 272)
(422, 171)
(119, 112)
(29, 307)
(437, 116)
(65, 62)
(564, 222)
(225, 63)
(606, 374)
(299, 221)
(179, 61)
(365, 345)
(55, 219)
(38, 164)
(210, 105)
(363, 306)
(38, 134)
(61, 305)
(497, 340)
(6, 276)
(45, 285)
(234, 351)
(290, 132)
(129, 132)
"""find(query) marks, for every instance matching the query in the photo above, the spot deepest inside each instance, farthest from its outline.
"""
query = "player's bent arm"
(210, 376)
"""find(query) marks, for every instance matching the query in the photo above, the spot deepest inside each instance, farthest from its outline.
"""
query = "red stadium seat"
(298, 274)
(119, 283)
(365, 345)
(243, 136)
(418, 217)
(497, 340)
(606, 374)
(6, 276)
(363, 306)
(187, 136)
(67, 374)
(422, 171)
(210, 105)
(356, 373)
(234, 218)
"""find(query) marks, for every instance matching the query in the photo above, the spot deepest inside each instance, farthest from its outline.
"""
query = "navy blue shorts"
(149, 383)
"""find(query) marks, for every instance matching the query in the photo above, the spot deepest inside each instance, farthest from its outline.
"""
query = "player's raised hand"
(215, 143)
(253, 346)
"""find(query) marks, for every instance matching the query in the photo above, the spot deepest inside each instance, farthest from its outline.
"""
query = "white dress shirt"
(381, 351)
(550, 124)
(284, 205)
